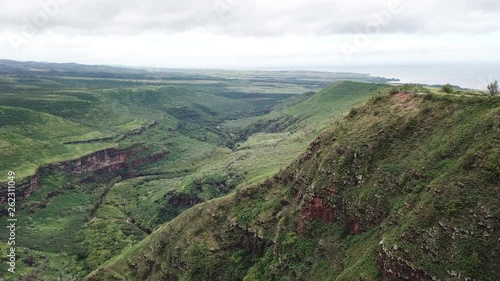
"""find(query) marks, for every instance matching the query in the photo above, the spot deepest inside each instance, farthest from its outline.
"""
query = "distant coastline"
(465, 76)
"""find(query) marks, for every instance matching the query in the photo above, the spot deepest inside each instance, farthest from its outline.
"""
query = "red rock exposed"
(106, 160)
(316, 209)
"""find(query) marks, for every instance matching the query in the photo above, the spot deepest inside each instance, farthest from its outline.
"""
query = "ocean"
(463, 75)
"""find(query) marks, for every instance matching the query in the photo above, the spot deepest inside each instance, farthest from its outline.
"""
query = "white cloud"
(246, 33)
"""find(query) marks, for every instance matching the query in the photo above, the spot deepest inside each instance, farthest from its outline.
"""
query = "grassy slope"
(37, 121)
(262, 155)
(314, 113)
(417, 171)
(58, 110)
(31, 139)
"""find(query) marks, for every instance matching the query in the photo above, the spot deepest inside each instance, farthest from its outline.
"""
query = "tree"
(493, 88)
(448, 88)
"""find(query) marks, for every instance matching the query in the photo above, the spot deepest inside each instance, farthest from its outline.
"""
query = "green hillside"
(404, 188)
(180, 152)
(36, 124)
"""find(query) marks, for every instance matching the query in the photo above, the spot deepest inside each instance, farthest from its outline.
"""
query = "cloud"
(259, 18)
(249, 33)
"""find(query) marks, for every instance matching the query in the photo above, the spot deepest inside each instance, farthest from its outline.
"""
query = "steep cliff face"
(103, 161)
(23, 189)
(111, 159)
(419, 172)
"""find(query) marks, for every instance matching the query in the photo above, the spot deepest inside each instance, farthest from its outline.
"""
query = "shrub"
(353, 112)
(493, 88)
(448, 88)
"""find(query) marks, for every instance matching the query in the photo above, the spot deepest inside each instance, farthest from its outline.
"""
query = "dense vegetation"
(202, 175)
(406, 187)
(188, 137)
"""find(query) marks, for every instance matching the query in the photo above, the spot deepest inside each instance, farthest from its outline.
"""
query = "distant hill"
(30, 68)
(67, 69)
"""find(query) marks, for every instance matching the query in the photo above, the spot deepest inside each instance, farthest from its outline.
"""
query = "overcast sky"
(251, 33)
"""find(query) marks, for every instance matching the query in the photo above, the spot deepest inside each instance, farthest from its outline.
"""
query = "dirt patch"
(402, 97)
(405, 100)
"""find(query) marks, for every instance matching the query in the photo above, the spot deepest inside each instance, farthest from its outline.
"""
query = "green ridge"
(415, 174)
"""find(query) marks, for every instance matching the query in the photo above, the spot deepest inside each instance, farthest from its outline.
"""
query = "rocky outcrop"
(398, 269)
(182, 200)
(148, 159)
(110, 159)
(316, 209)
(23, 188)
(253, 242)
(103, 161)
